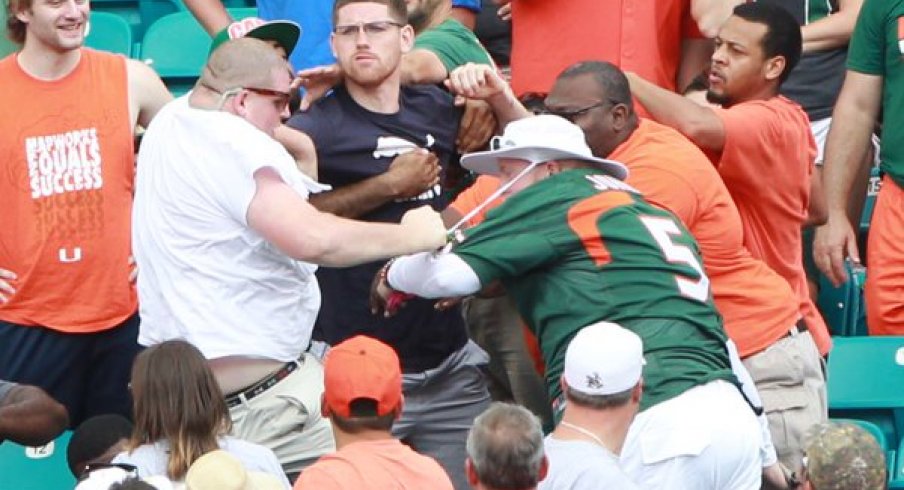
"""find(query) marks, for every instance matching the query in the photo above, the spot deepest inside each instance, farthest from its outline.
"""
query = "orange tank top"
(66, 187)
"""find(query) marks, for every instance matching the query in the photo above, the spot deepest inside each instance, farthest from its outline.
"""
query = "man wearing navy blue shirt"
(384, 148)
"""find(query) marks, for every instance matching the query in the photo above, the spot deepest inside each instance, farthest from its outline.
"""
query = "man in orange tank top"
(68, 319)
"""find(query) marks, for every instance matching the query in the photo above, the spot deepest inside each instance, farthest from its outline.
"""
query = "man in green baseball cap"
(283, 34)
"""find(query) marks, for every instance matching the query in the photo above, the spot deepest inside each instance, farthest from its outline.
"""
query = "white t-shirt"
(151, 459)
(582, 465)
(204, 275)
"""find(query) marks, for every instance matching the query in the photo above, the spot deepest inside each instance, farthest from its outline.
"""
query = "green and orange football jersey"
(581, 247)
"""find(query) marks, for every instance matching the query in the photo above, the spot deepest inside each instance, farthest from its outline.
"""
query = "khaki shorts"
(790, 378)
(286, 418)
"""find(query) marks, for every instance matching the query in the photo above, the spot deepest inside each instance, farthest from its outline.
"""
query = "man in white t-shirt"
(602, 385)
(226, 243)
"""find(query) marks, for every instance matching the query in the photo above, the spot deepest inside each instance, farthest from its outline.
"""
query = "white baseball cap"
(604, 358)
(539, 139)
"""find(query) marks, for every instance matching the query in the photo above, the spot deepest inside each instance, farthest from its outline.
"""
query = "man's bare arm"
(422, 66)
(291, 224)
(30, 417)
(700, 124)
(849, 137)
(147, 93)
(408, 175)
(833, 31)
(711, 14)
(481, 82)
(211, 14)
(301, 147)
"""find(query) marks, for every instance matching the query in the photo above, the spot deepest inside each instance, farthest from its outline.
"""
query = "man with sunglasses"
(360, 131)
(227, 244)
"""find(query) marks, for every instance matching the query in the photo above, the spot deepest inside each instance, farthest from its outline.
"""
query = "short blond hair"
(242, 62)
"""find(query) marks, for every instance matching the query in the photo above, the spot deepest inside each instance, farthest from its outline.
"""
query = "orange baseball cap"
(362, 367)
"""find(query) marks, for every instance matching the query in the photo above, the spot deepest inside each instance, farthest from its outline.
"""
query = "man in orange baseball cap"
(362, 398)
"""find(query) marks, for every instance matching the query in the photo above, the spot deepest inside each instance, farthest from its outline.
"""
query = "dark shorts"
(88, 373)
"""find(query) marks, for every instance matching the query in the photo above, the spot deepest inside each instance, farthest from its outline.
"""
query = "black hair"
(782, 38)
(94, 437)
(608, 77)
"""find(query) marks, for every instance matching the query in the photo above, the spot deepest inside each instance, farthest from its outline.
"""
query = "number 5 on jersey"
(662, 230)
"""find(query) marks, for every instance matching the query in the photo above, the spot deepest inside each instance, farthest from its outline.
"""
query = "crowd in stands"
(410, 244)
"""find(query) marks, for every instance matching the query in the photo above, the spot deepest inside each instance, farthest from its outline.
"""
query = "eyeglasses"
(573, 114)
(132, 470)
(282, 97)
(375, 28)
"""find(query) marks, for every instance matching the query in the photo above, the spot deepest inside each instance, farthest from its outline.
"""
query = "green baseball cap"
(284, 32)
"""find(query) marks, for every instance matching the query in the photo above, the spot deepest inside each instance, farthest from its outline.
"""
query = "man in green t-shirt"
(874, 81)
(574, 245)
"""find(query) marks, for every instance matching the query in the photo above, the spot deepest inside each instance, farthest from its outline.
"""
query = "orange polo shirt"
(66, 189)
(766, 164)
(643, 36)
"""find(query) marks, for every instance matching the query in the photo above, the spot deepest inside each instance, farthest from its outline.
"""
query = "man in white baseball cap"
(602, 384)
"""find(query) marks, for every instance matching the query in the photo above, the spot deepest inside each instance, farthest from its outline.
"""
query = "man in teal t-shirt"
(575, 245)
(874, 81)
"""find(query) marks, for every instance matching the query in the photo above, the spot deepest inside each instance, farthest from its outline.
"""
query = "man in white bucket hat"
(573, 245)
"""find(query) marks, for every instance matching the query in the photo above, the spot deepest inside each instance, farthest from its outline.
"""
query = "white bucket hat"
(539, 139)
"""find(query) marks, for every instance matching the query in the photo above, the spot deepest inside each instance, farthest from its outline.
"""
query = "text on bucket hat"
(362, 367)
(539, 139)
(284, 32)
(603, 358)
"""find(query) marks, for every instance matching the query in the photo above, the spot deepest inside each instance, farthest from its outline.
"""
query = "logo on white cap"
(604, 358)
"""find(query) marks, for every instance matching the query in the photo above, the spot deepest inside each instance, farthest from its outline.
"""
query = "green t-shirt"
(454, 44)
(572, 251)
(877, 48)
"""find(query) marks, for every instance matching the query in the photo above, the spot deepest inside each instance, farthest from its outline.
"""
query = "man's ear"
(471, 473)
(619, 115)
(333, 45)
(407, 38)
(774, 67)
(544, 468)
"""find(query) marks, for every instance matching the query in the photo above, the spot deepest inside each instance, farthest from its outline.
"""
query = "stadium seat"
(843, 307)
(41, 468)
(151, 10)
(127, 9)
(176, 47)
(109, 32)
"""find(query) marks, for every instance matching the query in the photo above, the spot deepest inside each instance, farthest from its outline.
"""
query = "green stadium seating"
(176, 47)
(151, 10)
(127, 9)
(43, 468)
(109, 32)
(843, 307)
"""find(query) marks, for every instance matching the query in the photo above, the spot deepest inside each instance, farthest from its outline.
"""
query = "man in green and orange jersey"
(573, 245)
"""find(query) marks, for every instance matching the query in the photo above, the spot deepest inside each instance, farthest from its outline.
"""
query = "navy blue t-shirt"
(354, 144)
